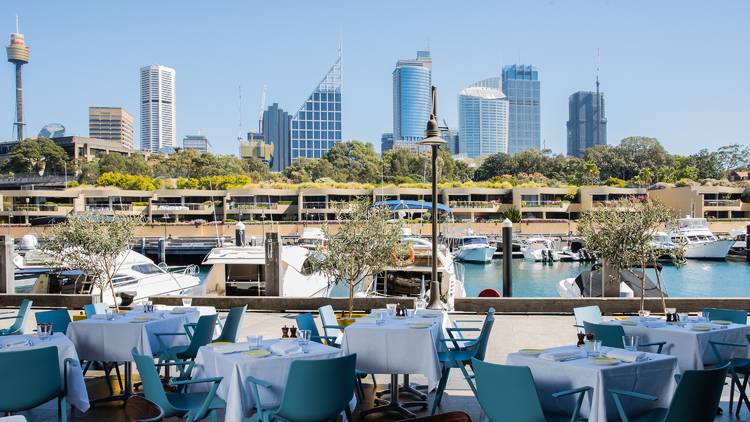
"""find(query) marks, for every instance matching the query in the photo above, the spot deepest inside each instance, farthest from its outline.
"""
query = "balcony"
(545, 204)
(722, 203)
(182, 208)
(258, 207)
(474, 205)
(133, 208)
(37, 210)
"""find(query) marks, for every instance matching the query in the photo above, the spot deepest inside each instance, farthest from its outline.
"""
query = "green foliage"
(354, 161)
(127, 181)
(188, 163)
(512, 214)
(309, 169)
(614, 181)
(745, 195)
(213, 182)
(40, 156)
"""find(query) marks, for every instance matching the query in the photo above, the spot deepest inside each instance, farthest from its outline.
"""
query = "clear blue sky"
(676, 70)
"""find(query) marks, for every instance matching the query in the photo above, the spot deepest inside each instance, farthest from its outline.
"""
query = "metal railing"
(542, 204)
(38, 208)
(473, 204)
(188, 206)
(722, 202)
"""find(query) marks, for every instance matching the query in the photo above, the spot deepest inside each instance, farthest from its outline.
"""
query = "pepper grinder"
(293, 332)
(285, 332)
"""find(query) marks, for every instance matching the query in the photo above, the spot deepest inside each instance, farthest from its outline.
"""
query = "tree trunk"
(351, 298)
(643, 285)
(610, 280)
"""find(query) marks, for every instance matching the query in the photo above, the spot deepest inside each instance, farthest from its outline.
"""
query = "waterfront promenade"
(510, 333)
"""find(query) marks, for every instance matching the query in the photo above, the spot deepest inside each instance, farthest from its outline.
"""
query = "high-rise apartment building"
(158, 126)
(276, 132)
(412, 97)
(317, 125)
(112, 123)
(198, 143)
(520, 83)
(587, 122)
(483, 121)
(451, 137)
(386, 142)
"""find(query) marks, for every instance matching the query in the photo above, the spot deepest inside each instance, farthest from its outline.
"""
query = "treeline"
(636, 161)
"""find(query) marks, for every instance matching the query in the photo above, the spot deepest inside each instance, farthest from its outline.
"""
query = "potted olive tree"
(363, 244)
(92, 245)
(622, 233)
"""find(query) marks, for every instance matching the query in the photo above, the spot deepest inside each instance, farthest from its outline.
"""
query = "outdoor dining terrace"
(383, 344)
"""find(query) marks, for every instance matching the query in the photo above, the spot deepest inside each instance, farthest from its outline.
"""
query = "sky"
(675, 70)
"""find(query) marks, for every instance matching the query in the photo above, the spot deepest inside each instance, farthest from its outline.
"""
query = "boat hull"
(482, 254)
(709, 250)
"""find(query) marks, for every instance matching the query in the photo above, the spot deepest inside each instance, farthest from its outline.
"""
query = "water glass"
(391, 307)
(410, 313)
(303, 339)
(110, 314)
(380, 318)
(187, 301)
(43, 331)
(594, 348)
(255, 341)
(630, 343)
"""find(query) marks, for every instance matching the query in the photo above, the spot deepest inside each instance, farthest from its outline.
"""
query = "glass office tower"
(587, 122)
(412, 98)
(521, 86)
(483, 121)
(317, 125)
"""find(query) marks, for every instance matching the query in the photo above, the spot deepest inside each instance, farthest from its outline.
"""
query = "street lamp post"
(434, 140)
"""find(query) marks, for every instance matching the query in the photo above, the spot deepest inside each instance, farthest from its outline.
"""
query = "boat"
(589, 284)
(539, 249)
(739, 248)
(471, 248)
(242, 271)
(411, 276)
(312, 238)
(697, 239)
(136, 277)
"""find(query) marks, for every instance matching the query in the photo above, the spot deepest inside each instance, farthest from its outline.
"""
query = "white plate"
(604, 361)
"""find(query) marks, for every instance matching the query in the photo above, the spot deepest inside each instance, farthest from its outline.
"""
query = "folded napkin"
(285, 348)
(15, 343)
(99, 316)
(626, 355)
(231, 348)
(655, 324)
(430, 312)
(560, 356)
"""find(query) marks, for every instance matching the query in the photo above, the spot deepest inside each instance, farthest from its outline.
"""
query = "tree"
(365, 244)
(734, 157)
(354, 161)
(93, 246)
(644, 178)
(707, 165)
(401, 163)
(127, 181)
(118, 163)
(496, 165)
(40, 156)
(308, 170)
(622, 233)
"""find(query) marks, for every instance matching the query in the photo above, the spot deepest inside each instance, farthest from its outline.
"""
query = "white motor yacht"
(472, 248)
(699, 242)
(539, 249)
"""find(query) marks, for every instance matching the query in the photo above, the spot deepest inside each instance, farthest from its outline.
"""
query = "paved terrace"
(510, 333)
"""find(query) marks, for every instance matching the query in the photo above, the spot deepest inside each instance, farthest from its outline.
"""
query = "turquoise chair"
(191, 406)
(696, 398)
(31, 378)
(20, 319)
(232, 324)
(462, 352)
(587, 314)
(92, 309)
(611, 336)
(508, 394)
(736, 316)
(59, 318)
(332, 392)
(199, 334)
(737, 367)
(331, 328)
(307, 322)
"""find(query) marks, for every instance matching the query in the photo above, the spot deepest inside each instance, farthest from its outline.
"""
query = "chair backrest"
(484, 336)
(587, 314)
(59, 318)
(328, 317)
(232, 324)
(697, 396)
(203, 334)
(507, 393)
(29, 378)
(334, 388)
(737, 316)
(23, 312)
(91, 309)
(140, 409)
(307, 322)
(610, 335)
(153, 389)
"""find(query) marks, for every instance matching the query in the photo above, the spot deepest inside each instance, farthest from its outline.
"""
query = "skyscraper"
(412, 97)
(521, 86)
(112, 123)
(158, 127)
(317, 125)
(450, 136)
(198, 143)
(587, 122)
(483, 121)
(386, 142)
(276, 132)
(18, 54)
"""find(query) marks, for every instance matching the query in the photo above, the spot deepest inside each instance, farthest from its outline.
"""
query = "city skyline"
(657, 100)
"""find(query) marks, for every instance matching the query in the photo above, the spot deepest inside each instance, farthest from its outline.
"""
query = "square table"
(399, 346)
(231, 363)
(77, 394)
(689, 346)
(654, 376)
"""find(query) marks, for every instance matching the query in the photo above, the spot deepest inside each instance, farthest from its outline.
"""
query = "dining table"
(270, 362)
(111, 339)
(398, 345)
(689, 340)
(76, 393)
(568, 367)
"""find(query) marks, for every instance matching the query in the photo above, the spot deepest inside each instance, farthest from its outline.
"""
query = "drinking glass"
(42, 330)
(682, 319)
(410, 313)
(380, 319)
(303, 339)
(630, 343)
(644, 314)
(187, 301)
(594, 348)
(255, 341)
(110, 315)
(391, 307)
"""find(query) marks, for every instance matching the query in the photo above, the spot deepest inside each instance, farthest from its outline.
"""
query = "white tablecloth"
(691, 347)
(655, 377)
(236, 367)
(112, 341)
(396, 347)
(77, 395)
